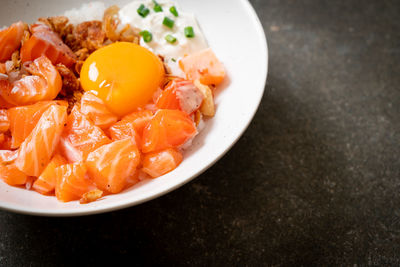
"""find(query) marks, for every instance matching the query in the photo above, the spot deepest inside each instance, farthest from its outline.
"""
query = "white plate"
(237, 37)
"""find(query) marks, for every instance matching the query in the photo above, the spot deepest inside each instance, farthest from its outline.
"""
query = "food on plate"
(38, 147)
(111, 165)
(203, 65)
(10, 40)
(124, 75)
(96, 100)
(46, 182)
(22, 119)
(44, 83)
(45, 42)
(161, 162)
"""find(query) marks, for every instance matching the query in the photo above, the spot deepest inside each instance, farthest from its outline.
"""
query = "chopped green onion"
(143, 11)
(173, 10)
(170, 39)
(168, 22)
(157, 7)
(189, 33)
(173, 59)
(147, 36)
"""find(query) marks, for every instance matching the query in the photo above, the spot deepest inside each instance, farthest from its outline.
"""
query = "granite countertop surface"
(314, 181)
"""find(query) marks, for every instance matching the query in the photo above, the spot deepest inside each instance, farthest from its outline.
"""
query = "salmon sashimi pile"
(86, 110)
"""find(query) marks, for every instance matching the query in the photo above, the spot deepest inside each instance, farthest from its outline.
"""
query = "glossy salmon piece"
(5, 141)
(139, 119)
(12, 175)
(94, 107)
(8, 156)
(38, 148)
(24, 118)
(180, 94)
(203, 65)
(8, 171)
(131, 126)
(46, 182)
(46, 42)
(10, 40)
(167, 129)
(44, 84)
(3, 69)
(4, 121)
(168, 98)
(111, 165)
(122, 131)
(159, 163)
(72, 182)
(3, 103)
(80, 137)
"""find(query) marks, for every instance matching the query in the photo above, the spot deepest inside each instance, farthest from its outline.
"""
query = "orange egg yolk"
(124, 75)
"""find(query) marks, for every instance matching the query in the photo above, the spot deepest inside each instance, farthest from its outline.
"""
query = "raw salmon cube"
(4, 121)
(111, 165)
(46, 42)
(203, 65)
(44, 84)
(46, 182)
(72, 182)
(131, 126)
(159, 163)
(8, 171)
(38, 148)
(167, 129)
(80, 137)
(24, 118)
(180, 94)
(10, 40)
(94, 107)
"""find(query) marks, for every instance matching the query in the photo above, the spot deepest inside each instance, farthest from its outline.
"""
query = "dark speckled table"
(314, 181)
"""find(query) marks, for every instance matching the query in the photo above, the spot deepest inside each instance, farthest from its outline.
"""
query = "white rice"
(87, 12)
